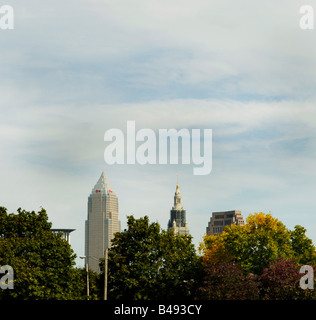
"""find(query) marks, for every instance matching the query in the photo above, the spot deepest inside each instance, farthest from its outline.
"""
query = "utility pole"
(106, 274)
(87, 271)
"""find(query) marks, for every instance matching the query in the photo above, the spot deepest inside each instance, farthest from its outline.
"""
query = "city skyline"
(74, 70)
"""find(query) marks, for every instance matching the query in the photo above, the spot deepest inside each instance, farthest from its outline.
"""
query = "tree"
(281, 282)
(261, 241)
(304, 250)
(226, 281)
(146, 262)
(42, 261)
(258, 244)
(215, 250)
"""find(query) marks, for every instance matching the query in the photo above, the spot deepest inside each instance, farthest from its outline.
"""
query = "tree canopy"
(260, 260)
(43, 262)
(146, 262)
(257, 244)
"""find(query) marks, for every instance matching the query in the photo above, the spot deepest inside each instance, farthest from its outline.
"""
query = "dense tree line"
(260, 260)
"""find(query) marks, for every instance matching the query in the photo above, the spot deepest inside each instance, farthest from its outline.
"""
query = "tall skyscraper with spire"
(177, 220)
(102, 222)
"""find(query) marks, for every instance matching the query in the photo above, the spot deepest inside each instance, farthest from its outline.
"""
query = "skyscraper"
(102, 222)
(177, 220)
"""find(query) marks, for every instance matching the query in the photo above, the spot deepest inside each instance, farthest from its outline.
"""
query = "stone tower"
(177, 220)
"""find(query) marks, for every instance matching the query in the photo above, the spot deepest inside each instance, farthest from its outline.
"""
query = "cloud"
(122, 51)
(69, 136)
(262, 152)
(72, 70)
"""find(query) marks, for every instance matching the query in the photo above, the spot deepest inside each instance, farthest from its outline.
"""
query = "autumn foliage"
(262, 256)
(280, 282)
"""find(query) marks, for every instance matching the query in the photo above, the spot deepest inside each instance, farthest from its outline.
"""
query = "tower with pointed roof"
(102, 222)
(177, 220)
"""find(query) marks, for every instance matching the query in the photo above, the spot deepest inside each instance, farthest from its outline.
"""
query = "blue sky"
(70, 71)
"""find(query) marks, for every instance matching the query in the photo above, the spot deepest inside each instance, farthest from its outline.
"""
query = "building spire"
(102, 185)
(177, 204)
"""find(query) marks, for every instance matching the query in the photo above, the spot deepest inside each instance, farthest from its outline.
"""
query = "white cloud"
(215, 47)
(72, 70)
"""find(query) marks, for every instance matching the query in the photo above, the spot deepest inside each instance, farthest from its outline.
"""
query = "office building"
(220, 220)
(102, 222)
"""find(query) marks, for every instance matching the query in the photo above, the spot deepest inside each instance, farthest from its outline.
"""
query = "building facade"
(177, 220)
(220, 220)
(65, 233)
(102, 222)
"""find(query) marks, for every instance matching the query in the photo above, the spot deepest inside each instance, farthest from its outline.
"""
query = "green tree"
(261, 241)
(304, 250)
(43, 263)
(146, 262)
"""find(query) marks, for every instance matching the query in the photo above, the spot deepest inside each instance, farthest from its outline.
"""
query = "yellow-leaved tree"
(257, 244)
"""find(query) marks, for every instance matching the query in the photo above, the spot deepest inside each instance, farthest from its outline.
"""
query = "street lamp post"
(87, 270)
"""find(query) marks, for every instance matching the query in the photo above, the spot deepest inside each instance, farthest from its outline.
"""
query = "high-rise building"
(177, 220)
(220, 220)
(102, 222)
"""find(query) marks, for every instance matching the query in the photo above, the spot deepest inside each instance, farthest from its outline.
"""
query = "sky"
(71, 70)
